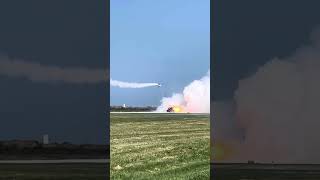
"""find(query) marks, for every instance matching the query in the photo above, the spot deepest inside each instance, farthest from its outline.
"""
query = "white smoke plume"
(122, 84)
(278, 110)
(195, 97)
(41, 73)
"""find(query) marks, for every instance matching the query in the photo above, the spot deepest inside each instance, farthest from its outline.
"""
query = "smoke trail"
(195, 97)
(278, 109)
(121, 84)
(41, 73)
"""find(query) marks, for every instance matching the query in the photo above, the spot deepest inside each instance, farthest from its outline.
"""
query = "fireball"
(177, 109)
(220, 151)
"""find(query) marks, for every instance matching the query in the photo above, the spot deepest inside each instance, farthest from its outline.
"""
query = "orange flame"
(177, 109)
(220, 151)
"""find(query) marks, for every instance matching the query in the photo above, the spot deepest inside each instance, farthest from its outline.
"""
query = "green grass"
(160, 146)
(53, 171)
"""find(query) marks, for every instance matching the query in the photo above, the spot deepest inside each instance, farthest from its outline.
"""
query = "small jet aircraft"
(159, 85)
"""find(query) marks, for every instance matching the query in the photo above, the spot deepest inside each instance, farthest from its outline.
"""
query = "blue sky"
(165, 41)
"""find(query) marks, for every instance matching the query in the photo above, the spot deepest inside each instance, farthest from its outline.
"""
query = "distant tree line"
(132, 109)
(20, 149)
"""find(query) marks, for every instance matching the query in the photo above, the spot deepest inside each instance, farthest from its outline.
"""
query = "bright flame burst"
(221, 151)
(177, 109)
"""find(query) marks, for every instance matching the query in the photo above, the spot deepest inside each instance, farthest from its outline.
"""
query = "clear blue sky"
(165, 41)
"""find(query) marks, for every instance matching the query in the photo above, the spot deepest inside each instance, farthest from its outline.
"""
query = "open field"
(265, 171)
(160, 146)
(79, 171)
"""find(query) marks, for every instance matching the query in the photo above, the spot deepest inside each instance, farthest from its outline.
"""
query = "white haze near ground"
(276, 111)
(40, 73)
(122, 84)
(195, 97)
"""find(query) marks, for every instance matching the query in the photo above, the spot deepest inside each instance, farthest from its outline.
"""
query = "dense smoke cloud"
(41, 73)
(278, 110)
(195, 97)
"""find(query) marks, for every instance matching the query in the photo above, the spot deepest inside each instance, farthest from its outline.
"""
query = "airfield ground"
(78, 171)
(265, 171)
(160, 146)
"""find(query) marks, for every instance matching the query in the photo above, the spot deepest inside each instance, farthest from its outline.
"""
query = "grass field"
(53, 171)
(160, 146)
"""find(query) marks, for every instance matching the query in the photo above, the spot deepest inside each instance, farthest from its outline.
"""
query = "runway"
(153, 112)
(287, 167)
(57, 161)
(228, 171)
